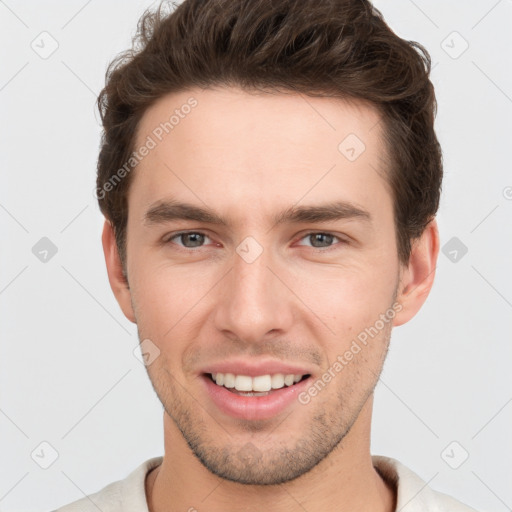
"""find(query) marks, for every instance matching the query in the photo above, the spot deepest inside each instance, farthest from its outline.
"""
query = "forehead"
(220, 113)
(258, 148)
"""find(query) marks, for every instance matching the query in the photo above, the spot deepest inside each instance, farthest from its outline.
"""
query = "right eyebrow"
(167, 211)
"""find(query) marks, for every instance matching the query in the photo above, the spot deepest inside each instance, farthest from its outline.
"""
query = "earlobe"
(418, 277)
(116, 277)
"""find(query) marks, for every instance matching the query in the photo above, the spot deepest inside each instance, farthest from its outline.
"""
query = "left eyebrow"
(322, 213)
(167, 211)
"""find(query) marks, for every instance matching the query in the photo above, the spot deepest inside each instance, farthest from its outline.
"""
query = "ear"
(417, 277)
(118, 281)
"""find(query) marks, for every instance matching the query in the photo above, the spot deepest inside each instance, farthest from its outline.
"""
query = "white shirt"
(129, 495)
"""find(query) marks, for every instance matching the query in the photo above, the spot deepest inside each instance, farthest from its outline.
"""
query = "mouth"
(257, 397)
(260, 385)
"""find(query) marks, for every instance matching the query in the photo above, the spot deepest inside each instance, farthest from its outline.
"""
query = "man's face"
(259, 297)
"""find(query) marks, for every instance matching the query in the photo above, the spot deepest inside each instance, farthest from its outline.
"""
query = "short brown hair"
(329, 48)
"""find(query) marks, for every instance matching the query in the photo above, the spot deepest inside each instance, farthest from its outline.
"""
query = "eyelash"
(315, 249)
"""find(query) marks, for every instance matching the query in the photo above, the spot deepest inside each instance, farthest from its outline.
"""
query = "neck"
(345, 480)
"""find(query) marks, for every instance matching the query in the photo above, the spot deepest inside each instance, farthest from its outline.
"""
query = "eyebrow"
(168, 211)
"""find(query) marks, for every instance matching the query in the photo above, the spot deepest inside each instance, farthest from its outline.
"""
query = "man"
(270, 176)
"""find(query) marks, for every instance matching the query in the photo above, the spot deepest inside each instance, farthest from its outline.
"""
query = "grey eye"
(320, 240)
(190, 240)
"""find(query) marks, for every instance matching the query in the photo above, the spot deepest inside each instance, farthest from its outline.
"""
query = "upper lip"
(255, 368)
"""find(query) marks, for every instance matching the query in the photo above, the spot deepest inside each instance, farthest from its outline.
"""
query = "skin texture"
(247, 157)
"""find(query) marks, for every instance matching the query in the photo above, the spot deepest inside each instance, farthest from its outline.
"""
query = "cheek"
(346, 297)
(163, 298)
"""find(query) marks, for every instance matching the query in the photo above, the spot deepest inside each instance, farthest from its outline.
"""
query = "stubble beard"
(257, 459)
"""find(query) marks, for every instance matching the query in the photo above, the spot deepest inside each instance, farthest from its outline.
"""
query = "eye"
(189, 239)
(321, 240)
(196, 239)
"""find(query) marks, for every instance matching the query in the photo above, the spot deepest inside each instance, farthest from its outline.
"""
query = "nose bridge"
(254, 301)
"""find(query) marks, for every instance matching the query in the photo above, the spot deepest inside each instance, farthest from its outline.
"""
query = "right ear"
(118, 281)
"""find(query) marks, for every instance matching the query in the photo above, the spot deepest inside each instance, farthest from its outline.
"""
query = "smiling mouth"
(261, 385)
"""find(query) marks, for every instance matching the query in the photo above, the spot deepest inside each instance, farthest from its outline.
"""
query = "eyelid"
(341, 240)
(172, 236)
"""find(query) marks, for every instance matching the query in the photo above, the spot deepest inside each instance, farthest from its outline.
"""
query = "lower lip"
(253, 407)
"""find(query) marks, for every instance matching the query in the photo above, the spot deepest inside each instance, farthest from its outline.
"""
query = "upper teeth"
(259, 383)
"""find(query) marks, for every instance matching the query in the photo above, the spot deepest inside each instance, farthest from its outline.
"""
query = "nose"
(255, 302)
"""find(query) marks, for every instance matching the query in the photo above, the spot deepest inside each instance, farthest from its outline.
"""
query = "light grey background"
(68, 375)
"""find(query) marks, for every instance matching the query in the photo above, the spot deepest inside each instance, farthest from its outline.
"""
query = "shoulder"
(107, 499)
(413, 493)
(120, 496)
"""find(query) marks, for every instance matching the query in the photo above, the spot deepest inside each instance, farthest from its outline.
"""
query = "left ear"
(417, 277)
